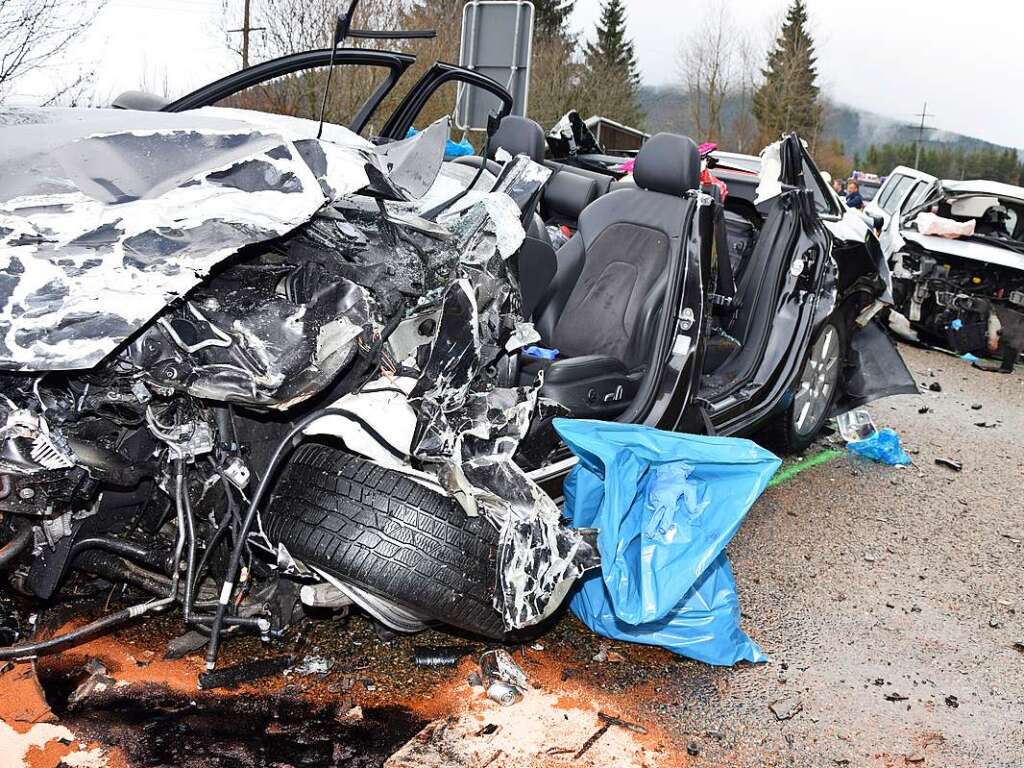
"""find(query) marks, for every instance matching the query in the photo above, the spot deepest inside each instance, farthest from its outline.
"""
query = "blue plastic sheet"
(666, 504)
(452, 149)
(883, 447)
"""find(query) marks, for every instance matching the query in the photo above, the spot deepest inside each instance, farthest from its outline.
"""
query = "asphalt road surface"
(889, 600)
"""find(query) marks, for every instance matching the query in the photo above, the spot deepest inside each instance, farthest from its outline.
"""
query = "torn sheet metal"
(571, 136)
(471, 437)
(107, 216)
(769, 182)
(384, 405)
(259, 333)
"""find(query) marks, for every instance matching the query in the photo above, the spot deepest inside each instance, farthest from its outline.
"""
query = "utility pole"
(246, 29)
(920, 134)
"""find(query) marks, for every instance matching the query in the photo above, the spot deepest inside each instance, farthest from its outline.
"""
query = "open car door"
(294, 84)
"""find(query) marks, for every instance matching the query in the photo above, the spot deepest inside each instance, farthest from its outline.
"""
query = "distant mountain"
(857, 129)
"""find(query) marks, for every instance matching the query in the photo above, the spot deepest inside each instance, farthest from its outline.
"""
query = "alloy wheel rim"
(817, 382)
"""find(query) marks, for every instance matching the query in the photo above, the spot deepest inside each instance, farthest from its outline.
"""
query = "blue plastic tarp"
(666, 504)
(452, 149)
(883, 446)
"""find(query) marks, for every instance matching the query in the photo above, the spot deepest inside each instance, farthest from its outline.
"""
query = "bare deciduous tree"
(719, 68)
(34, 32)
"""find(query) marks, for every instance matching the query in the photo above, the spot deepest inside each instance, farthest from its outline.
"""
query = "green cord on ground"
(788, 473)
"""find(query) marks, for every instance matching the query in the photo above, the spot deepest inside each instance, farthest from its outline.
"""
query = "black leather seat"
(601, 309)
(517, 136)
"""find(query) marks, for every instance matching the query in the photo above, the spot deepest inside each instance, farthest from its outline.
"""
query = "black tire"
(378, 529)
(790, 432)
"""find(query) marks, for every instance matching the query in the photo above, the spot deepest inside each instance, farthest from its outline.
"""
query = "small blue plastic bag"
(452, 149)
(883, 447)
(666, 504)
(542, 353)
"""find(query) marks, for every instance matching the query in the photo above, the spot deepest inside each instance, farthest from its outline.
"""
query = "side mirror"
(140, 100)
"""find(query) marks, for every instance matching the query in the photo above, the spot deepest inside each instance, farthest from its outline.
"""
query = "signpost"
(497, 41)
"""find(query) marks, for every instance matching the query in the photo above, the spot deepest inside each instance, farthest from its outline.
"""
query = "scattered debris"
(855, 425)
(882, 446)
(995, 623)
(504, 693)
(498, 665)
(97, 682)
(433, 656)
(692, 749)
(784, 709)
(605, 655)
(247, 671)
(923, 409)
(473, 680)
(986, 424)
(896, 696)
(935, 386)
(953, 464)
(313, 665)
(540, 730)
(952, 702)
(975, 406)
(181, 646)
(620, 723)
(916, 757)
(591, 741)
(1019, 647)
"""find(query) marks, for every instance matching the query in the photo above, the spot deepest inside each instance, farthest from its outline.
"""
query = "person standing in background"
(853, 198)
(837, 185)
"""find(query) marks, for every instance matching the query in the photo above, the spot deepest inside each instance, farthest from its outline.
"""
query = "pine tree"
(611, 79)
(611, 48)
(788, 100)
(551, 18)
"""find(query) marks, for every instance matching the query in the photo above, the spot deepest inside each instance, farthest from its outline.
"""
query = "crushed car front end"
(186, 299)
(958, 268)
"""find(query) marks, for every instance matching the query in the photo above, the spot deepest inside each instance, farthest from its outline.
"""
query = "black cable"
(228, 586)
(190, 539)
(72, 637)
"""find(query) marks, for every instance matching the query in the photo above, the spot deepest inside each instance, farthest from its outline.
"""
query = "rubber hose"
(11, 550)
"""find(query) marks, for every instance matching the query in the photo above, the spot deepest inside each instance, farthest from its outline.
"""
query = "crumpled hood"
(985, 253)
(107, 216)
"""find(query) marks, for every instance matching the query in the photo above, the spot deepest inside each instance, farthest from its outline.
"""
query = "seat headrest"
(668, 163)
(519, 136)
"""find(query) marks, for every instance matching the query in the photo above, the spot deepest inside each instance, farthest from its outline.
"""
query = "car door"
(783, 293)
(294, 85)
(445, 89)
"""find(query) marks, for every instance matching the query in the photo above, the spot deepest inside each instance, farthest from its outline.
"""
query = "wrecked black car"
(251, 365)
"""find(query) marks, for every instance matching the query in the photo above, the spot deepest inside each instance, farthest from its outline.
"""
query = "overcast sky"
(889, 56)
